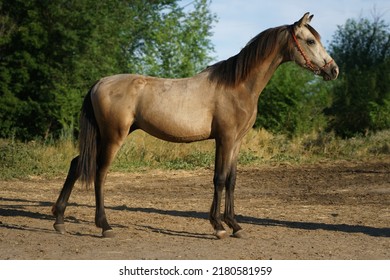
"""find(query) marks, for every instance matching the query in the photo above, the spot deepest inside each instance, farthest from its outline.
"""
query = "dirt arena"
(323, 211)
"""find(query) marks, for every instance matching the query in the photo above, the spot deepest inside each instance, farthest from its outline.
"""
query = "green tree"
(361, 99)
(52, 51)
(179, 45)
(293, 101)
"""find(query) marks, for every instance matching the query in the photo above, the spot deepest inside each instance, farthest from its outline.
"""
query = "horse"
(218, 103)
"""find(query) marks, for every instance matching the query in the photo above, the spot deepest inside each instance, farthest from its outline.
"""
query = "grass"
(143, 152)
(21, 160)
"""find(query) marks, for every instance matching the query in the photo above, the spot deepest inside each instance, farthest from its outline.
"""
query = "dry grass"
(142, 152)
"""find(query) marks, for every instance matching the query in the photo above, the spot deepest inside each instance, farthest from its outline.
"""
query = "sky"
(241, 20)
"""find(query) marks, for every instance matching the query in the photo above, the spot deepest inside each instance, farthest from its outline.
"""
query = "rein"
(308, 63)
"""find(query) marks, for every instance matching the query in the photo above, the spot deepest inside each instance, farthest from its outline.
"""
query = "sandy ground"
(324, 211)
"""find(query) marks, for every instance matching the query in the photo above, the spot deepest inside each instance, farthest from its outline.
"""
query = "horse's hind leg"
(59, 207)
(108, 150)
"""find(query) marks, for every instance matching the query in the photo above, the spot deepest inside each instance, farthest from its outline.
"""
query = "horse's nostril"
(335, 71)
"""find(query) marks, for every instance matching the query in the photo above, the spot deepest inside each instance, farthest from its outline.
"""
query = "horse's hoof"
(239, 234)
(221, 234)
(108, 233)
(60, 228)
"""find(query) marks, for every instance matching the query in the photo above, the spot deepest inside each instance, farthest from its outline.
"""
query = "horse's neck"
(260, 78)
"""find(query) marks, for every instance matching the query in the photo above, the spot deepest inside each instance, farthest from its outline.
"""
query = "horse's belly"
(175, 110)
(177, 126)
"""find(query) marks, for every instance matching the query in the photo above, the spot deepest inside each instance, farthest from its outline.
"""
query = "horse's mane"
(236, 69)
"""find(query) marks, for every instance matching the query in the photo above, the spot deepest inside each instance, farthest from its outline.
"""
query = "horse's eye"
(310, 42)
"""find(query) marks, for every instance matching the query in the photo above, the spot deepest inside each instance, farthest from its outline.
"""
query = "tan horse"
(219, 103)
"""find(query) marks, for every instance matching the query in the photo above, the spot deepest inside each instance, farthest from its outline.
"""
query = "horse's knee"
(220, 181)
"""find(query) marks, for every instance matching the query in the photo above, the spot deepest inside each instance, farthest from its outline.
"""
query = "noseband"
(308, 64)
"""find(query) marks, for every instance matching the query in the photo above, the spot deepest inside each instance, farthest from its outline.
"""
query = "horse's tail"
(88, 142)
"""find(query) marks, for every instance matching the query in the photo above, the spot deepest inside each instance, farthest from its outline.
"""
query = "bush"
(142, 152)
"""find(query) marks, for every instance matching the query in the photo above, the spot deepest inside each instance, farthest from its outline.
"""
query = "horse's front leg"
(215, 215)
(229, 215)
(223, 162)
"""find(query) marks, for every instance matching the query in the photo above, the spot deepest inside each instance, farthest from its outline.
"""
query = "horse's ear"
(304, 20)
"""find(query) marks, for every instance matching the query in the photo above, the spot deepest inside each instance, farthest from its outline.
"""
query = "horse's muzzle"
(331, 72)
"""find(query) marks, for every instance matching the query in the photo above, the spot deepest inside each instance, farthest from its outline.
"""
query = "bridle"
(308, 64)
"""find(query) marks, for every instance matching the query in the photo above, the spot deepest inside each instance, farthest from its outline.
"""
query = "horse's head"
(309, 52)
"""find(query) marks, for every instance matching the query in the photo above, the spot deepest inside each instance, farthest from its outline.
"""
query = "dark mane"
(236, 69)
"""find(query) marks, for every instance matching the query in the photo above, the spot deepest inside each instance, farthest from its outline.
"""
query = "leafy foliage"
(177, 46)
(292, 102)
(362, 96)
(51, 52)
